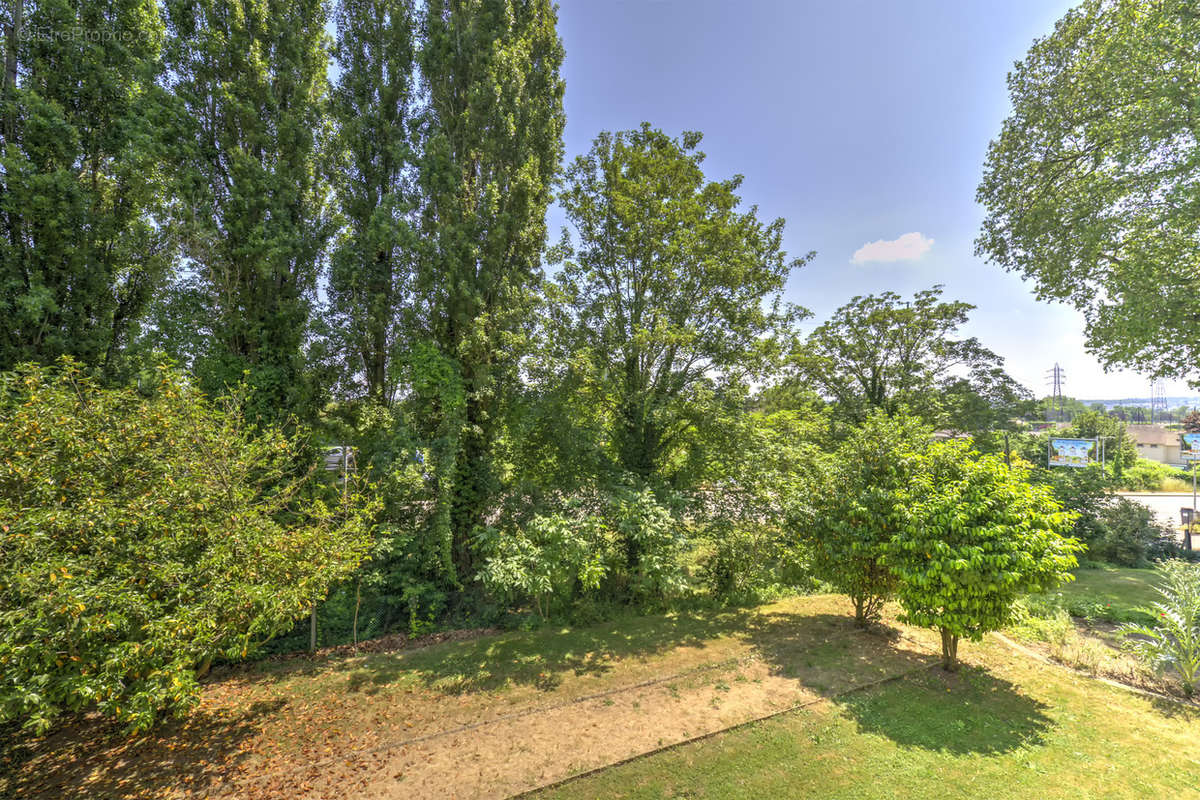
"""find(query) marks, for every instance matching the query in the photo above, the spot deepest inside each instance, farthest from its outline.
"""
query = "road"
(1165, 505)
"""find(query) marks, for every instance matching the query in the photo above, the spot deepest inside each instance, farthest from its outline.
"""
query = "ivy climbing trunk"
(492, 145)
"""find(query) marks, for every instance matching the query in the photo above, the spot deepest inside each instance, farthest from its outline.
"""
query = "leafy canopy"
(883, 352)
(142, 536)
(850, 517)
(976, 535)
(1091, 187)
(373, 258)
(250, 87)
(83, 246)
(670, 295)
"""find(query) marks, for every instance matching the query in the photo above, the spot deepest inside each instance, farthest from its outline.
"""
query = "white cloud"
(908, 247)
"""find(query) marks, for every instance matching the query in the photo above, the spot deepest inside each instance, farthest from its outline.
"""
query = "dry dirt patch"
(481, 718)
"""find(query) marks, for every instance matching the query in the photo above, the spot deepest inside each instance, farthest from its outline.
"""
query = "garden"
(327, 470)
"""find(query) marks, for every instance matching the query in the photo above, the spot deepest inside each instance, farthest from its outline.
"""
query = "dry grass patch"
(477, 717)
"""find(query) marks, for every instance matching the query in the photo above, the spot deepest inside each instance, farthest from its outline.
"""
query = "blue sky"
(858, 121)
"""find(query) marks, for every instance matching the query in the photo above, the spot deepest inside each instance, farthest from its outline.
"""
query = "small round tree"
(978, 535)
(847, 521)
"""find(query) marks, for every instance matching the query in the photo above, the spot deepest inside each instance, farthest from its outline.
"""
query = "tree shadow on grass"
(539, 660)
(824, 649)
(87, 757)
(971, 711)
(1176, 709)
(827, 654)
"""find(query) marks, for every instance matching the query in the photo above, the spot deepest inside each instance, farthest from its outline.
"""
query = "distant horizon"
(1170, 403)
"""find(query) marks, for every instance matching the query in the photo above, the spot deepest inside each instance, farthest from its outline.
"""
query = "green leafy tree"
(975, 536)
(854, 511)
(550, 559)
(82, 247)
(1090, 187)
(1060, 409)
(1120, 450)
(1087, 491)
(373, 261)
(144, 533)
(1173, 641)
(492, 145)
(250, 83)
(737, 515)
(882, 352)
(670, 294)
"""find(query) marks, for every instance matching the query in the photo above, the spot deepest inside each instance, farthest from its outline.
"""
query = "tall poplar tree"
(251, 83)
(373, 260)
(80, 249)
(493, 142)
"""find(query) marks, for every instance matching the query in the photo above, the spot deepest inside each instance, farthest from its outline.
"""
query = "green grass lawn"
(1109, 594)
(1005, 727)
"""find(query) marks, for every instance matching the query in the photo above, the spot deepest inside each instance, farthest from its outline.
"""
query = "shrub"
(547, 560)
(744, 563)
(1172, 642)
(1151, 476)
(859, 506)
(1127, 533)
(976, 535)
(1043, 621)
(766, 462)
(740, 561)
(629, 546)
(648, 529)
(144, 534)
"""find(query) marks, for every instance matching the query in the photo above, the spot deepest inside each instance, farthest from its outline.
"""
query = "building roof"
(1153, 434)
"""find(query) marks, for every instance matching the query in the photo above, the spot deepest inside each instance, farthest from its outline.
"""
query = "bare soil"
(477, 718)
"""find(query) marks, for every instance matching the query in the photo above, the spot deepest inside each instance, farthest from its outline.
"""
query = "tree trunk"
(949, 651)
(8, 90)
(10, 49)
(377, 317)
(470, 503)
(637, 451)
(357, 605)
(204, 667)
(860, 612)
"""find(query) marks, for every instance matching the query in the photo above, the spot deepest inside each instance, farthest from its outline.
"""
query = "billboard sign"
(1074, 452)
(1189, 446)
